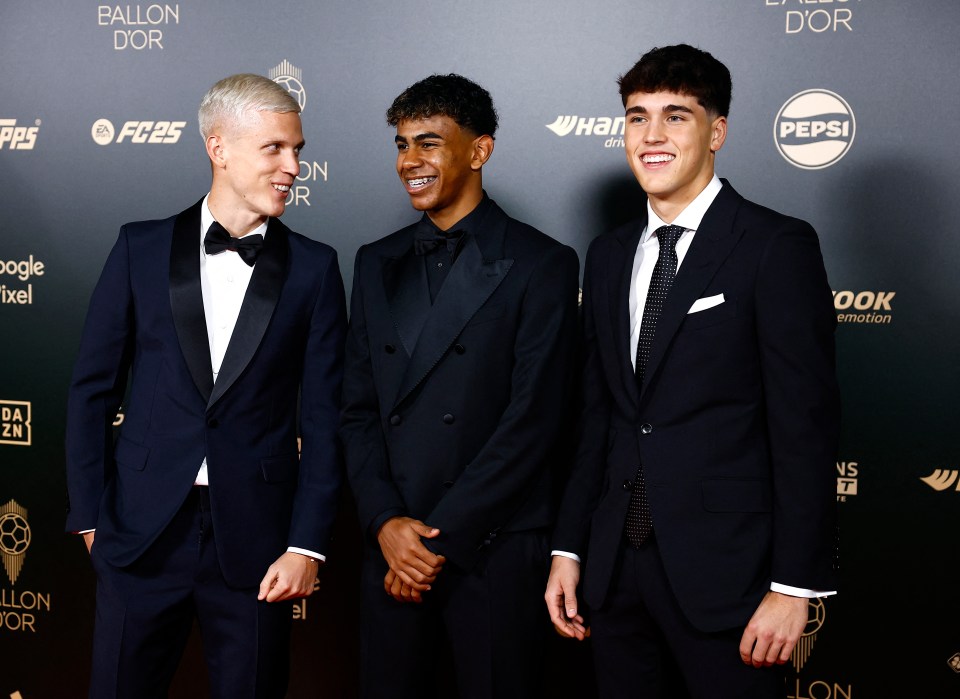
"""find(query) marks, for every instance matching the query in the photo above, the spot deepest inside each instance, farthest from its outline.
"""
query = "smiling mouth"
(657, 158)
(282, 188)
(420, 182)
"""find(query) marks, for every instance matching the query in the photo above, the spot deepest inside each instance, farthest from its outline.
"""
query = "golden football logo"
(815, 617)
(14, 538)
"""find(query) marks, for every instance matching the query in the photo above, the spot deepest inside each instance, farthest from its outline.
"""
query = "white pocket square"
(705, 303)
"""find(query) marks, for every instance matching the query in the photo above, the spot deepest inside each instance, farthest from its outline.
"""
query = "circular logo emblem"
(294, 87)
(814, 129)
(102, 132)
(14, 534)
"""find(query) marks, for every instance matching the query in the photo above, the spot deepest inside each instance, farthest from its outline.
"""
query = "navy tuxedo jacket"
(736, 423)
(452, 412)
(146, 320)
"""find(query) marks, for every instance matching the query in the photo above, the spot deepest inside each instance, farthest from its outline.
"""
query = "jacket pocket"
(737, 495)
(277, 469)
(130, 454)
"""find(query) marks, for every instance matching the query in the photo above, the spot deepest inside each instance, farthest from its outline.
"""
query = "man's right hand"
(410, 561)
(88, 540)
(561, 598)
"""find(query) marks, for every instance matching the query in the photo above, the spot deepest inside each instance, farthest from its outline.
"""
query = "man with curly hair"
(456, 384)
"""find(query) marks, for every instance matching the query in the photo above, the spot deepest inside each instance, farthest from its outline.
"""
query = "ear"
(719, 134)
(482, 150)
(214, 145)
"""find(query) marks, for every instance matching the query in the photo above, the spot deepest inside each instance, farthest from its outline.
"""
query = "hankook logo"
(291, 79)
(943, 479)
(814, 129)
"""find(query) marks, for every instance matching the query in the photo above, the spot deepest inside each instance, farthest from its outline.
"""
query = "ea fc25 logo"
(290, 78)
(103, 132)
(14, 538)
(814, 129)
(15, 422)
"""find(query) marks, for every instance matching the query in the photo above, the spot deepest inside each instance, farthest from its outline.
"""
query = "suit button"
(389, 349)
(646, 428)
(448, 419)
(459, 349)
(395, 420)
(213, 422)
(448, 484)
(486, 542)
(628, 485)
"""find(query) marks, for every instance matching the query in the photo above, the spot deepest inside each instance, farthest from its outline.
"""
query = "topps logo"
(17, 137)
(137, 132)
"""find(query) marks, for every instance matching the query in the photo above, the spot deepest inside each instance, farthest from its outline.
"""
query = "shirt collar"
(469, 224)
(206, 218)
(692, 215)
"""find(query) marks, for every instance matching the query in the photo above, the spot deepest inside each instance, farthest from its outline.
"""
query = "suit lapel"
(471, 281)
(408, 292)
(259, 302)
(186, 298)
(711, 245)
(620, 273)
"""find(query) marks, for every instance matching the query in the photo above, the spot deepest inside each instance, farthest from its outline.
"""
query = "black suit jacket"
(452, 411)
(736, 424)
(146, 318)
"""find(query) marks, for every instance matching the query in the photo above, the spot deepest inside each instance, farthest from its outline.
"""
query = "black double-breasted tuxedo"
(452, 410)
(736, 423)
(146, 319)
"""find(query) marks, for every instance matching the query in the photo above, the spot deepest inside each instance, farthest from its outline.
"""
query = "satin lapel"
(620, 273)
(711, 245)
(467, 287)
(257, 309)
(408, 294)
(186, 298)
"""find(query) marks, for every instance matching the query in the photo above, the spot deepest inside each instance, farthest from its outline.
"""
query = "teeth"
(282, 187)
(660, 158)
(420, 181)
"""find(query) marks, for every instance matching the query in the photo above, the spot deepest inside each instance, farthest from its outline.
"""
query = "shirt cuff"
(800, 591)
(566, 554)
(307, 553)
(85, 531)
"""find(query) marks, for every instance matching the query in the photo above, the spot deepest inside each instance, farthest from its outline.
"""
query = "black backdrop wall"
(845, 113)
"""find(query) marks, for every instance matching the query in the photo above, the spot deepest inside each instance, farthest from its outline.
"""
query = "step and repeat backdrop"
(845, 113)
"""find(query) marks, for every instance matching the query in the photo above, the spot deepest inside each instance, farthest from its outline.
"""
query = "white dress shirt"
(224, 278)
(643, 263)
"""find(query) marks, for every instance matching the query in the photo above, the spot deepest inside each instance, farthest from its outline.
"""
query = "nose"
(291, 164)
(653, 132)
(408, 160)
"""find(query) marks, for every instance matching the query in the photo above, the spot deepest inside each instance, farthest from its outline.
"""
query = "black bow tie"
(217, 240)
(427, 239)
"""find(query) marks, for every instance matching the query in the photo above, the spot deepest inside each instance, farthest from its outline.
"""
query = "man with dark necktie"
(702, 502)
(457, 382)
(227, 322)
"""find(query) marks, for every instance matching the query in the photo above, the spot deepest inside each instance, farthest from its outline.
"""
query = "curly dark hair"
(682, 69)
(452, 96)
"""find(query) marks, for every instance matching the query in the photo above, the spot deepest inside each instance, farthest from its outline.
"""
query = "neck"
(445, 218)
(236, 220)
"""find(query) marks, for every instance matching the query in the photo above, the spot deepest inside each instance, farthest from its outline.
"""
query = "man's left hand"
(291, 576)
(773, 630)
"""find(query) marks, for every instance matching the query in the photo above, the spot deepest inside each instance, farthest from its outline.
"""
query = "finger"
(427, 532)
(408, 580)
(570, 604)
(269, 580)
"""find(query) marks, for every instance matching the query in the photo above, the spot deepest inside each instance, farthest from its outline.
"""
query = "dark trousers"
(145, 613)
(644, 646)
(490, 623)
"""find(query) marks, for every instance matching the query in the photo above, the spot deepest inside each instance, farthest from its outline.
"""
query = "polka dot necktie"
(639, 521)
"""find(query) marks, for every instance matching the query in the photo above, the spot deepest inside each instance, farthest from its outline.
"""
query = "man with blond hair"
(225, 321)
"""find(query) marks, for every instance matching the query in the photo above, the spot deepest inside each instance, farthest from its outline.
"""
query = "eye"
(401, 146)
(637, 119)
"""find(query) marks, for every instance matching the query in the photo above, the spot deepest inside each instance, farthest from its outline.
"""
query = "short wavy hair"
(682, 69)
(450, 95)
(229, 98)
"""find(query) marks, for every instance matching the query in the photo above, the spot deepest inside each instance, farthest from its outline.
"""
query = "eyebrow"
(640, 109)
(419, 137)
